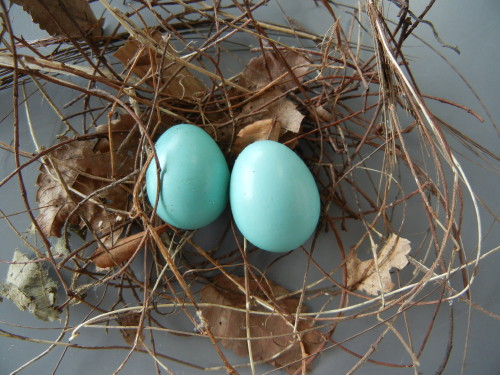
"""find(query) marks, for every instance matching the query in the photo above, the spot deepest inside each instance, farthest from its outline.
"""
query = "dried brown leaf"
(273, 338)
(287, 114)
(322, 113)
(259, 130)
(63, 17)
(363, 275)
(264, 69)
(272, 105)
(85, 166)
(176, 81)
(122, 250)
(54, 202)
(129, 334)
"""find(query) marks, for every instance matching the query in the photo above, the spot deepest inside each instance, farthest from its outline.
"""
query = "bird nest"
(99, 260)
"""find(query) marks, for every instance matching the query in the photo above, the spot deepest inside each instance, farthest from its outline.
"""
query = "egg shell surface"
(194, 178)
(274, 199)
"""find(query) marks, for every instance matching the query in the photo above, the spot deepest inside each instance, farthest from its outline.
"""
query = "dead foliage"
(273, 338)
(122, 250)
(175, 81)
(75, 183)
(72, 18)
(372, 276)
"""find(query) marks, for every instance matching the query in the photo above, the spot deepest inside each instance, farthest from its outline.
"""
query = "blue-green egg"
(194, 178)
(274, 199)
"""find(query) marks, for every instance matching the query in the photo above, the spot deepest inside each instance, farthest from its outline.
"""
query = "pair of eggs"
(273, 196)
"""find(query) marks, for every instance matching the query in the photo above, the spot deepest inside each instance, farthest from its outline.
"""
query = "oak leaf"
(273, 337)
(373, 278)
(272, 104)
(275, 68)
(63, 17)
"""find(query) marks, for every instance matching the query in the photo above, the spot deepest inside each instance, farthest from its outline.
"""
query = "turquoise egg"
(194, 178)
(273, 196)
